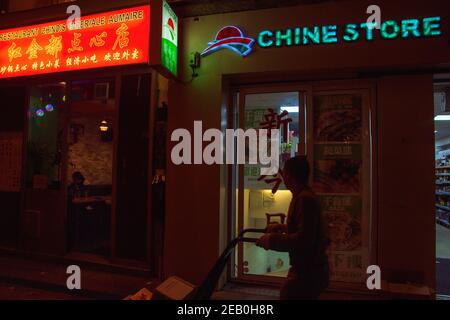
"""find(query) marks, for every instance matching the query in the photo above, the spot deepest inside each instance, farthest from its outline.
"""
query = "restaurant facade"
(356, 98)
(83, 98)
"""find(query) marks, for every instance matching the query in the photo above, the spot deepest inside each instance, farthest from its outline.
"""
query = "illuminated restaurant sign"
(169, 54)
(108, 39)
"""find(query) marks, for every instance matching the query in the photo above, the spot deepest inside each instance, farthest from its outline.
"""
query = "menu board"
(339, 180)
(10, 161)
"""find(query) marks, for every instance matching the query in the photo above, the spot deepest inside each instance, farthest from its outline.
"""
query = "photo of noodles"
(338, 122)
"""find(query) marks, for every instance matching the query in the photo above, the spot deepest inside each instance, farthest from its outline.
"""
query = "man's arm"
(277, 228)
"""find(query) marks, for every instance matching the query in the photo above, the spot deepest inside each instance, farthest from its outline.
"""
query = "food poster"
(349, 266)
(338, 180)
(343, 214)
(337, 168)
(338, 118)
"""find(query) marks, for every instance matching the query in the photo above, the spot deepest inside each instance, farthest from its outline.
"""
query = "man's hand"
(276, 228)
(264, 242)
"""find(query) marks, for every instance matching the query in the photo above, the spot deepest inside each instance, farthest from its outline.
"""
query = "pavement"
(27, 279)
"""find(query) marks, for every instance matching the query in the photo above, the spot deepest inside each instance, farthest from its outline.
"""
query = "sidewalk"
(22, 278)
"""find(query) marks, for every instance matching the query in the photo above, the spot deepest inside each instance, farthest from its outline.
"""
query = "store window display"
(442, 170)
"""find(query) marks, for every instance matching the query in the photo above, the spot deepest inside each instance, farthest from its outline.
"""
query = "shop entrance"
(90, 141)
(87, 169)
(332, 126)
(442, 155)
(70, 151)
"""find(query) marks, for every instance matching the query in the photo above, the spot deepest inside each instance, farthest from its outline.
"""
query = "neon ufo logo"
(231, 38)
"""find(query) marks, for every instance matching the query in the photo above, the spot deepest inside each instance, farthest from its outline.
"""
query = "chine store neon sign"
(232, 38)
(389, 29)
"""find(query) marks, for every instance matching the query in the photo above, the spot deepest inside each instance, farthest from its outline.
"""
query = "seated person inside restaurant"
(89, 215)
(77, 189)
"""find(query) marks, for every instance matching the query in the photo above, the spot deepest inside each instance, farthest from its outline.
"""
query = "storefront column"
(406, 220)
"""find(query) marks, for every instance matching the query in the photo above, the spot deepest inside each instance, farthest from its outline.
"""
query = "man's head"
(78, 178)
(296, 172)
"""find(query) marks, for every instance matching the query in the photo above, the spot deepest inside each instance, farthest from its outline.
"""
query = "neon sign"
(389, 29)
(102, 40)
(169, 55)
(231, 38)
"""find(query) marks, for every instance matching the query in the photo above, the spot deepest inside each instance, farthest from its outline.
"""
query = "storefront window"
(45, 136)
(266, 196)
(90, 165)
(333, 130)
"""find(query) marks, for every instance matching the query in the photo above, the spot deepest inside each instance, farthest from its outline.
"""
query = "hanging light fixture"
(49, 107)
(40, 113)
(104, 126)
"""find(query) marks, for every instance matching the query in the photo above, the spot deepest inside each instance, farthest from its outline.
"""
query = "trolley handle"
(247, 239)
(269, 216)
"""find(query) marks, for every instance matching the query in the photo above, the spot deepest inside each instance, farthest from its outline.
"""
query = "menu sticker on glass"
(252, 172)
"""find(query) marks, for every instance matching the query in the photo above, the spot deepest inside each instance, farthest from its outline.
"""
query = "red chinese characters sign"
(102, 40)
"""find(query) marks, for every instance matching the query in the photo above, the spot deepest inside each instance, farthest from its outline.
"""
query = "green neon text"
(352, 32)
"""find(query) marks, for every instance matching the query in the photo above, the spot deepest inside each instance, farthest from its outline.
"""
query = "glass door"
(89, 173)
(43, 219)
(333, 128)
(258, 196)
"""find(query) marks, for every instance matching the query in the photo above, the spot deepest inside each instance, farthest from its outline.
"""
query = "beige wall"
(194, 215)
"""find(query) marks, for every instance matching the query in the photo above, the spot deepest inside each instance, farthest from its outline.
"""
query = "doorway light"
(442, 118)
(104, 126)
(40, 113)
(290, 109)
(49, 107)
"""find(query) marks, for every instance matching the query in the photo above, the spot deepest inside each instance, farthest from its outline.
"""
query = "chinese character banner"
(109, 39)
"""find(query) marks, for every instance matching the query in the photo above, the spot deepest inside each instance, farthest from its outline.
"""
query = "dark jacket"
(307, 237)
